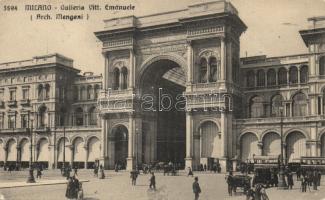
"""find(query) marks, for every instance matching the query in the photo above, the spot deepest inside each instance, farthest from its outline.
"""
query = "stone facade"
(40, 99)
(233, 106)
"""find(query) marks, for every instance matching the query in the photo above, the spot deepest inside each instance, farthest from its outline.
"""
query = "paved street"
(117, 186)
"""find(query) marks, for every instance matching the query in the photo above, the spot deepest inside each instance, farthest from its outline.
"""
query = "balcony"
(25, 102)
(116, 101)
(12, 103)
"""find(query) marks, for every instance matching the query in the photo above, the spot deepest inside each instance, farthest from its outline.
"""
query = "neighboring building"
(46, 96)
(195, 52)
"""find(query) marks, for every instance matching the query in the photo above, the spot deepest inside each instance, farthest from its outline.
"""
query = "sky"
(273, 28)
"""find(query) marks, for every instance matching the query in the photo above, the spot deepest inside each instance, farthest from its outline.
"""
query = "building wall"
(47, 113)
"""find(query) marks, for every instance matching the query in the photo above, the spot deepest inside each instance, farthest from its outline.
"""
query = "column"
(190, 78)
(321, 105)
(224, 140)
(223, 59)
(288, 81)
(103, 158)
(189, 140)
(313, 143)
(260, 148)
(298, 75)
(276, 77)
(86, 156)
(132, 69)
(71, 147)
(5, 149)
(105, 82)
(121, 80)
(130, 159)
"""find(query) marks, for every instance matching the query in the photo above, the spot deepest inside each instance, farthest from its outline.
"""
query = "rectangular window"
(1, 122)
(12, 95)
(1, 95)
(25, 94)
(24, 121)
(11, 121)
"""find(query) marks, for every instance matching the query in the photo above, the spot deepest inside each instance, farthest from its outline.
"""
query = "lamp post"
(282, 183)
(137, 146)
(31, 178)
(63, 164)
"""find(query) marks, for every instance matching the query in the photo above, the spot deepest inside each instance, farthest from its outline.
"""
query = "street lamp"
(63, 165)
(137, 146)
(282, 183)
(31, 178)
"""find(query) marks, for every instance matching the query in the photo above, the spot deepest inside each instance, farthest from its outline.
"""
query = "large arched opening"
(248, 146)
(162, 84)
(296, 146)
(120, 135)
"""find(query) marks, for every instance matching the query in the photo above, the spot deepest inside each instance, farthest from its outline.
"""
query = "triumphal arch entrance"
(171, 86)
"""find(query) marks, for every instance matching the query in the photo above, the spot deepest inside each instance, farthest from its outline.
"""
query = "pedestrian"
(258, 194)
(196, 188)
(298, 174)
(101, 171)
(190, 172)
(38, 173)
(95, 171)
(230, 181)
(303, 184)
(263, 193)
(152, 181)
(134, 176)
(116, 167)
(80, 192)
(205, 167)
(319, 175)
(315, 179)
(75, 170)
(69, 190)
(290, 180)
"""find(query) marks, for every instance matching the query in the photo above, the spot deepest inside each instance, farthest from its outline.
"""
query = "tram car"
(312, 163)
(265, 170)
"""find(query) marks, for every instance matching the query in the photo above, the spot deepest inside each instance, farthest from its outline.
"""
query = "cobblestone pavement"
(117, 186)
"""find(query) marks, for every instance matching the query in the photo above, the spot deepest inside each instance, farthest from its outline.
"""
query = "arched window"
(116, 82)
(62, 117)
(97, 88)
(124, 72)
(282, 75)
(83, 93)
(203, 70)
(213, 70)
(260, 78)
(40, 92)
(276, 103)
(47, 91)
(90, 92)
(293, 75)
(42, 117)
(322, 66)
(79, 117)
(250, 79)
(299, 105)
(256, 108)
(75, 93)
(303, 74)
(92, 116)
(271, 77)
